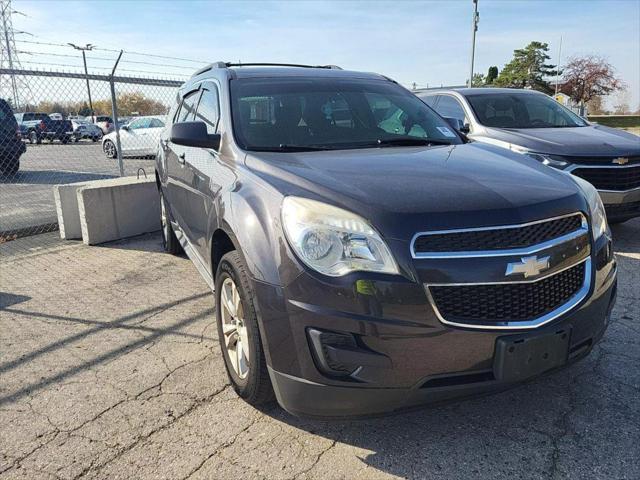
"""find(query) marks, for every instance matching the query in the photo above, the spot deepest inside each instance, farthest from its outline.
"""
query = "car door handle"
(181, 159)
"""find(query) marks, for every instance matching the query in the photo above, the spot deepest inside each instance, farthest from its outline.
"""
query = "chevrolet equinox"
(364, 256)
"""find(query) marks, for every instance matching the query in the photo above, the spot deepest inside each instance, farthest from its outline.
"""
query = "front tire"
(33, 138)
(238, 332)
(109, 149)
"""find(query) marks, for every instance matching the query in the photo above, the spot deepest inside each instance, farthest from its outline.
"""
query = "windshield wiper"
(408, 142)
(292, 148)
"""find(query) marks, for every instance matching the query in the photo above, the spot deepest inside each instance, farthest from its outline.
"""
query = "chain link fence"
(60, 128)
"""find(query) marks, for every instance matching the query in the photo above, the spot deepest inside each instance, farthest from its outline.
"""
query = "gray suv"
(531, 123)
(363, 256)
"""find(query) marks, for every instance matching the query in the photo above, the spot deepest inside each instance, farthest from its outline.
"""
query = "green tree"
(492, 74)
(478, 80)
(528, 69)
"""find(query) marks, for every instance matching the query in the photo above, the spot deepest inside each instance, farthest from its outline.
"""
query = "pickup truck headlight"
(333, 241)
(596, 208)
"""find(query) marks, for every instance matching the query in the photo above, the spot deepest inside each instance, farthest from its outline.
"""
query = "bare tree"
(585, 78)
(596, 106)
(621, 106)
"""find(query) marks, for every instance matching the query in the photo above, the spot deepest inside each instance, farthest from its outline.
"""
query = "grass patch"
(617, 121)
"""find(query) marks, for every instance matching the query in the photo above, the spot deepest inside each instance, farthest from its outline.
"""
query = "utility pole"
(474, 29)
(558, 66)
(88, 46)
(9, 57)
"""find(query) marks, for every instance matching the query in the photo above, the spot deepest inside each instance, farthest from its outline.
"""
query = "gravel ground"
(110, 368)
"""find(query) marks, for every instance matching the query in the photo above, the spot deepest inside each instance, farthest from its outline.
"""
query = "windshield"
(522, 110)
(307, 114)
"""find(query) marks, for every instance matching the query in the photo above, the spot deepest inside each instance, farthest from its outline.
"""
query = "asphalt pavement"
(27, 197)
(110, 369)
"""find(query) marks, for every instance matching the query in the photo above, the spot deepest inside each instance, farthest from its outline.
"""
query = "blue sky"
(411, 41)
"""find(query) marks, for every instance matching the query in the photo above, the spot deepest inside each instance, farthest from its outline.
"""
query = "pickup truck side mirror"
(124, 127)
(194, 134)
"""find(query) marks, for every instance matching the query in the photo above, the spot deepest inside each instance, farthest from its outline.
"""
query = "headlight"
(334, 241)
(596, 207)
(550, 160)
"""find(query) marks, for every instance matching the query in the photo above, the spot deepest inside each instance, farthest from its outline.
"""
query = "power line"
(69, 65)
(129, 52)
(109, 59)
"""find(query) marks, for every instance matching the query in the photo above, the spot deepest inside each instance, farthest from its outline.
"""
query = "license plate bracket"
(520, 357)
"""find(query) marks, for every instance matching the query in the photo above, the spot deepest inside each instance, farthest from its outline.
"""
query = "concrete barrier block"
(118, 208)
(66, 201)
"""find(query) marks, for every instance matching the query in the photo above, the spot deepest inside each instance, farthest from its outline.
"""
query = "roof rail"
(209, 67)
(260, 64)
(263, 64)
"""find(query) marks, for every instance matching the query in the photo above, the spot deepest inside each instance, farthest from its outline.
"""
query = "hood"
(589, 141)
(405, 190)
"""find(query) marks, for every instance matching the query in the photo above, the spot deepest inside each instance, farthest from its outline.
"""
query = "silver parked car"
(534, 124)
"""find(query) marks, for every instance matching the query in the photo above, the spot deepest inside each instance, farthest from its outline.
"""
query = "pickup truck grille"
(498, 238)
(507, 302)
(611, 178)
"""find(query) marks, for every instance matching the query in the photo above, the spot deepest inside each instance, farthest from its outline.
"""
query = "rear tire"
(238, 332)
(33, 138)
(169, 240)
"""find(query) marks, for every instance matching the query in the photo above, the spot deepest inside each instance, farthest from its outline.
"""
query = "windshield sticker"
(446, 132)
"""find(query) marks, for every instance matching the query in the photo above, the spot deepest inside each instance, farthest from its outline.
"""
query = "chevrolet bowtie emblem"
(528, 266)
(620, 160)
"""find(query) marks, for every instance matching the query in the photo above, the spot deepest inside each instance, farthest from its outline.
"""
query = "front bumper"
(429, 362)
(621, 206)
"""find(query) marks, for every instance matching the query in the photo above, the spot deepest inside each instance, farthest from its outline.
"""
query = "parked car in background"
(36, 127)
(83, 129)
(11, 146)
(364, 257)
(105, 122)
(534, 124)
(138, 138)
(56, 116)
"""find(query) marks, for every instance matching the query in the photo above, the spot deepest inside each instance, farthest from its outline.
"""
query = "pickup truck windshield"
(272, 114)
(522, 110)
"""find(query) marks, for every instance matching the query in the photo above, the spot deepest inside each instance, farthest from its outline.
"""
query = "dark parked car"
(11, 146)
(534, 124)
(36, 127)
(363, 257)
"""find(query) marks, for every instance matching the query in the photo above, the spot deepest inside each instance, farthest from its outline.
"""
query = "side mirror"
(194, 134)
(465, 128)
(124, 127)
(455, 123)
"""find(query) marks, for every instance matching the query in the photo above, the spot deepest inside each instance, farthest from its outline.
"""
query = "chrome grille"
(499, 238)
(507, 302)
(610, 178)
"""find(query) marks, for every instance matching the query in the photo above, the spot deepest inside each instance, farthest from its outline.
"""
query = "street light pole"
(474, 29)
(86, 74)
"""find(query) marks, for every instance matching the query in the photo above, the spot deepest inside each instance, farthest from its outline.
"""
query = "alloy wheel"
(234, 329)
